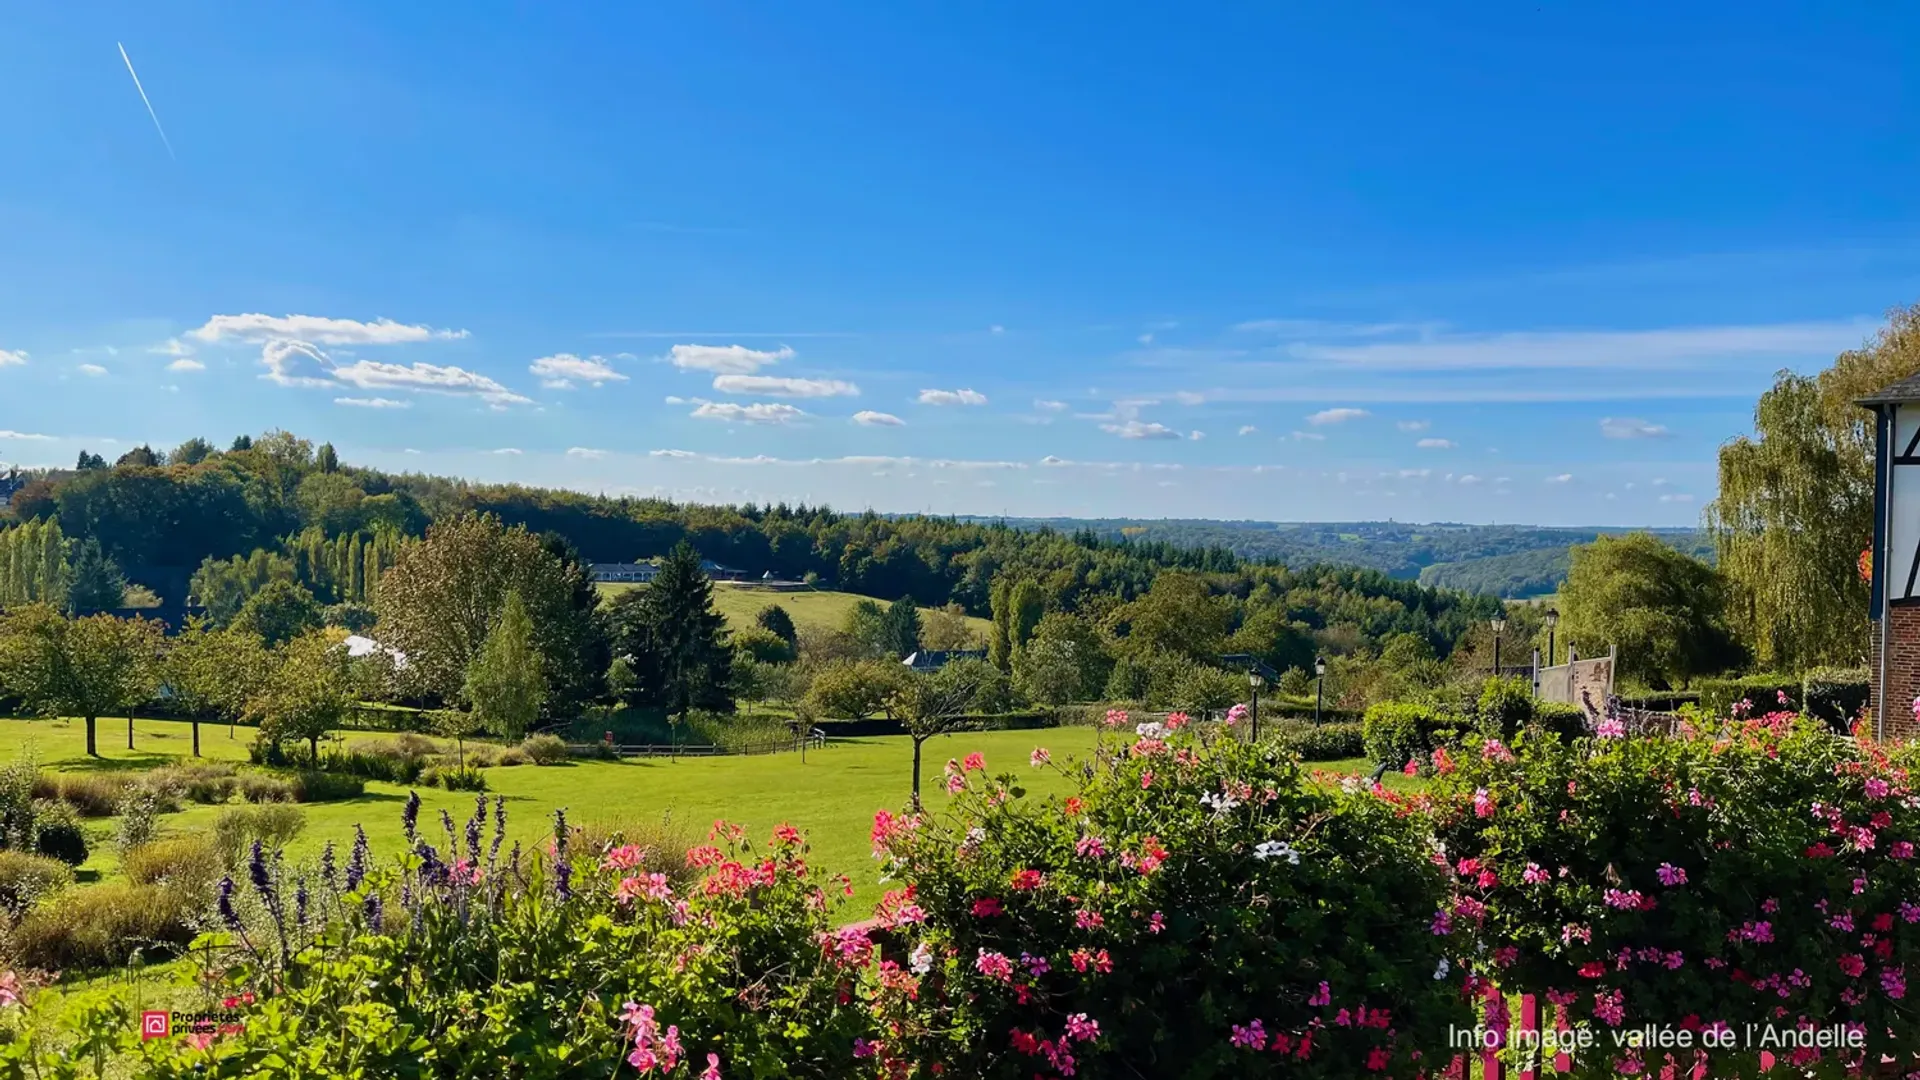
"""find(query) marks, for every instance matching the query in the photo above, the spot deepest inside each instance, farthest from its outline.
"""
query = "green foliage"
(278, 613)
(1796, 505)
(505, 685)
(97, 583)
(1029, 606)
(1322, 742)
(1662, 608)
(454, 777)
(139, 812)
(103, 926)
(851, 689)
(311, 786)
(25, 877)
(1399, 731)
(762, 645)
(1762, 694)
(900, 633)
(675, 640)
(305, 695)
(774, 619)
(193, 864)
(1202, 688)
(351, 617)
(86, 667)
(223, 587)
(1167, 920)
(33, 565)
(545, 749)
(1000, 640)
(1836, 695)
(1506, 704)
(1179, 615)
(273, 825)
(60, 835)
(1559, 719)
(1066, 660)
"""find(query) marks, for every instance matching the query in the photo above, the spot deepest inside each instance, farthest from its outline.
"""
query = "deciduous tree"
(306, 693)
(88, 667)
(504, 685)
(1664, 609)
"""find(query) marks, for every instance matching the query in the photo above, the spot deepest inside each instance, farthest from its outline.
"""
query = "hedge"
(1397, 731)
(1836, 695)
(1719, 696)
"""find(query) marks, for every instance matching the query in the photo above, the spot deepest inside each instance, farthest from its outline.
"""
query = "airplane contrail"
(143, 97)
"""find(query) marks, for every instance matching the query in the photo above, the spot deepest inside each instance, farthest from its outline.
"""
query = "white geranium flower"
(1220, 804)
(921, 961)
(1277, 849)
(1150, 730)
(1438, 972)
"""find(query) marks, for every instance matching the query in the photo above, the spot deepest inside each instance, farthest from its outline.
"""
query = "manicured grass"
(821, 609)
(832, 797)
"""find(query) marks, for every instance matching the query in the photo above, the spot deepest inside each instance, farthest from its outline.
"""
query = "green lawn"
(832, 797)
(819, 608)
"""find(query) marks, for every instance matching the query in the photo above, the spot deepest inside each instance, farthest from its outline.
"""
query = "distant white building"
(359, 645)
(642, 573)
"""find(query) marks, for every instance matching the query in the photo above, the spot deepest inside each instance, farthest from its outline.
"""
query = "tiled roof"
(1905, 391)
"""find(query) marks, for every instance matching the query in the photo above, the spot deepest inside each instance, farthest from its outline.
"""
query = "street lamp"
(1552, 620)
(1255, 682)
(1498, 624)
(1319, 685)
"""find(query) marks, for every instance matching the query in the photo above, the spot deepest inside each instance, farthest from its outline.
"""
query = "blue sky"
(1510, 264)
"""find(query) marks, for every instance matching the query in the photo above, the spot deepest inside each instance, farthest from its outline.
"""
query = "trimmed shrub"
(1506, 704)
(513, 755)
(235, 830)
(313, 786)
(25, 878)
(60, 835)
(1559, 719)
(454, 778)
(1327, 742)
(103, 926)
(1398, 731)
(192, 864)
(139, 818)
(482, 756)
(1763, 693)
(210, 783)
(395, 761)
(545, 749)
(263, 788)
(1836, 695)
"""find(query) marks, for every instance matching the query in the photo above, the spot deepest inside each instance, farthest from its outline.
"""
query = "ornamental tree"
(88, 667)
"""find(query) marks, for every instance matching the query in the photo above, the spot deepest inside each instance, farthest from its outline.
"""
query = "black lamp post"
(1319, 685)
(1254, 681)
(1499, 624)
(1552, 620)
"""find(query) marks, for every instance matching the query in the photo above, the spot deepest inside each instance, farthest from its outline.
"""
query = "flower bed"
(1756, 872)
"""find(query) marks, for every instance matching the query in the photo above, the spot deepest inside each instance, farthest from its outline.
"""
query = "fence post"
(1490, 1056)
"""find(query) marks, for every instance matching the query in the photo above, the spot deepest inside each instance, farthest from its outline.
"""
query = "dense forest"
(1501, 560)
(275, 507)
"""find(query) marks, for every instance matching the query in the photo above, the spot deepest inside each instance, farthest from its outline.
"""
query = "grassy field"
(832, 797)
(819, 608)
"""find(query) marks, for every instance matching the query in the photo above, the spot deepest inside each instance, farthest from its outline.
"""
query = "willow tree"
(1795, 507)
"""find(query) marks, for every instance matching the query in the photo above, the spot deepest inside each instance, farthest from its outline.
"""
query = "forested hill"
(1503, 560)
(160, 516)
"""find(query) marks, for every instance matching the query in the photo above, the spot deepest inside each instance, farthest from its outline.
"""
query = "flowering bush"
(462, 960)
(1199, 908)
(1757, 872)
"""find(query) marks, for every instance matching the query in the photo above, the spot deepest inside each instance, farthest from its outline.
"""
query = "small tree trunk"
(196, 738)
(313, 741)
(916, 772)
(92, 751)
(129, 729)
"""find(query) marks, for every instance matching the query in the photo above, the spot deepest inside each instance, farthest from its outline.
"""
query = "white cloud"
(1196, 436)
(1248, 429)
(1054, 462)
(1140, 429)
(952, 397)
(1049, 406)
(30, 437)
(1146, 338)
(1306, 436)
(672, 453)
(996, 328)
(427, 378)
(506, 450)
(584, 452)
(1189, 397)
(172, 347)
(869, 418)
(1337, 416)
(1435, 444)
(757, 413)
(94, 370)
(318, 329)
(12, 356)
(1468, 480)
(373, 403)
(726, 359)
(676, 399)
(1676, 497)
(1563, 478)
(1599, 348)
(186, 363)
(1660, 481)
(1623, 428)
(1414, 425)
(773, 386)
(559, 371)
